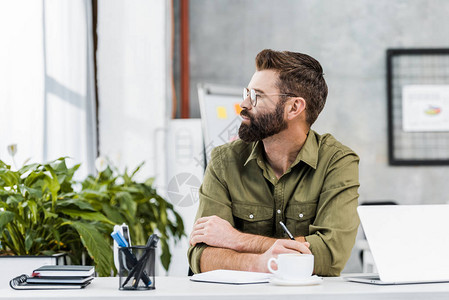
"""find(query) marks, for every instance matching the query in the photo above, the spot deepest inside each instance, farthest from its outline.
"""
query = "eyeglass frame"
(251, 93)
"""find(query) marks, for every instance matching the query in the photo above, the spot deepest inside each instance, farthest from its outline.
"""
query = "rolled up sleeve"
(214, 200)
(333, 232)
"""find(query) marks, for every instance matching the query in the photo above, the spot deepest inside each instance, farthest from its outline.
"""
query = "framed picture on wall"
(418, 106)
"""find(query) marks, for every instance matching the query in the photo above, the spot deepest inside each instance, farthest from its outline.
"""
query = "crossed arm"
(232, 249)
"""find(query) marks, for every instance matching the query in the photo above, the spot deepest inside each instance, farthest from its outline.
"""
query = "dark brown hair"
(300, 75)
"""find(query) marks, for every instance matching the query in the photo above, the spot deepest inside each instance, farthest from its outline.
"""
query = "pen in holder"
(136, 267)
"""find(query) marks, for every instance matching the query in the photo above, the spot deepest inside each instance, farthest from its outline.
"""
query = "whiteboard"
(220, 115)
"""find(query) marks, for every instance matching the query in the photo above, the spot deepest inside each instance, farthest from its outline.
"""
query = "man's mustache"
(245, 113)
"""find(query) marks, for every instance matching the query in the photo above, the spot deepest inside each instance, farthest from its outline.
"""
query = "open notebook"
(232, 277)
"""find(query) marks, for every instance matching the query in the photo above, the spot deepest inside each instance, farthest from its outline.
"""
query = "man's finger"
(197, 233)
(203, 220)
(302, 248)
(288, 250)
(193, 241)
(198, 226)
(196, 238)
(294, 245)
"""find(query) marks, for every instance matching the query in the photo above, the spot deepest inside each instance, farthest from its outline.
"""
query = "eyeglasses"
(252, 94)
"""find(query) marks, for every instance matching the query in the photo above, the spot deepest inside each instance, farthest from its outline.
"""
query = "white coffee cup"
(292, 266)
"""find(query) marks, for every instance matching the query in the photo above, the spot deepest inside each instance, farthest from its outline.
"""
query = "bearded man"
(280, 170)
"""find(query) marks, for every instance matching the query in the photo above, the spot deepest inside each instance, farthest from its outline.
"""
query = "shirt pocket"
(254, 219)
(299, 217)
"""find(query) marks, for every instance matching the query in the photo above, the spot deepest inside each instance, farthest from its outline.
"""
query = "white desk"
(183, 288)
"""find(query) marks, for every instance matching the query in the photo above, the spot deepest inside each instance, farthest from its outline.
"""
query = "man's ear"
(295, 107)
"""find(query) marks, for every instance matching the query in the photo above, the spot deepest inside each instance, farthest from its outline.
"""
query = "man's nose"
(246, 103)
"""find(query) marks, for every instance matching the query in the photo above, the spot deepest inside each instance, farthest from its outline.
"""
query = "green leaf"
(4, 165)
(4, 205)
(26, 161)
(59, 165)
(86, 215)
(52, 182)
(81, 204)
(16, 239)
(34, 193)
(33, 210)
(149, 181)
(126, 177)
(14, 200)
(49, 214)
(178, 229)
(73, 169)
(163, 216)
(136, 170)
(26, 168)
(113, 214)
(48, 252)
(93, 195)
(29, 238)
(5, 218)
(127, 203)
(10, 178)
(97, 246)
(131, 189)
(56, 236)
(166, 255)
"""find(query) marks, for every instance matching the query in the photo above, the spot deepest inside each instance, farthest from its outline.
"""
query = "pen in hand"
(287, 231)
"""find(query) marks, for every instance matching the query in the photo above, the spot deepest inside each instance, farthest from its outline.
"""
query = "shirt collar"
(256, 152)
(307, 154)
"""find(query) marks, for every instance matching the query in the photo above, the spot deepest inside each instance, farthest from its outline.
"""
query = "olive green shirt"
(315, 198)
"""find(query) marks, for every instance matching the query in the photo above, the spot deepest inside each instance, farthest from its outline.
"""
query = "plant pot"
(13, 266)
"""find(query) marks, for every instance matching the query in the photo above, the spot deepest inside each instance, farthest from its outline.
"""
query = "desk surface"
(183, 288)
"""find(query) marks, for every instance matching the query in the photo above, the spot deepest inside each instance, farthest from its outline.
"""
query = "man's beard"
(264, 125)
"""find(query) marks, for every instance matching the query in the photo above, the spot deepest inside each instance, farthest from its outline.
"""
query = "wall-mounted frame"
(418, 106)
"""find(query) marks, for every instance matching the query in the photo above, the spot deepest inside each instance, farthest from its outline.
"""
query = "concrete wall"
(350, 39)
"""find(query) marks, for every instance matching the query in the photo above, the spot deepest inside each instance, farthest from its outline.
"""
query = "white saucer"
(312, 280)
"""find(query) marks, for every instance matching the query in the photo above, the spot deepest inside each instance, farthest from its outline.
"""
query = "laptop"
(409, 243)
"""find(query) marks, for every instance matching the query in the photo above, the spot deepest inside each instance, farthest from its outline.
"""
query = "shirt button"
(279, 211)
(251, 216)
(301, 215)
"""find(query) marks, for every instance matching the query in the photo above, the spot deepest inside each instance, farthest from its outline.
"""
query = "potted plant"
(122, 199)
(41, 213)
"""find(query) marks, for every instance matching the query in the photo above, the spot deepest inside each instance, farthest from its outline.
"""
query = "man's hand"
(281, 246)
(214, 231)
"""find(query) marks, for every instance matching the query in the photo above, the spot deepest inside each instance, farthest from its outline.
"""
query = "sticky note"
(221, 112)
(237, 108)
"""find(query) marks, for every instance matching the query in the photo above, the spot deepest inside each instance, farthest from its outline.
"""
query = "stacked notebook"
(55, 277)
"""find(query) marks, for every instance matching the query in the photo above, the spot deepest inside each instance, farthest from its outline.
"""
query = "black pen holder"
(136, 268)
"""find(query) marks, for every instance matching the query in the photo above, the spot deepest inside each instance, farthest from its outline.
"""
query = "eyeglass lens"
(252, 95)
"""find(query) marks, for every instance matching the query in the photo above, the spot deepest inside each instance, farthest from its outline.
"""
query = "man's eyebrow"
(259, 91)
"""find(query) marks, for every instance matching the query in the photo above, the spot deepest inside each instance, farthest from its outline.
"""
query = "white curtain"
(69, 123)
(21, 80)
(47, 93)
(133, 82)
